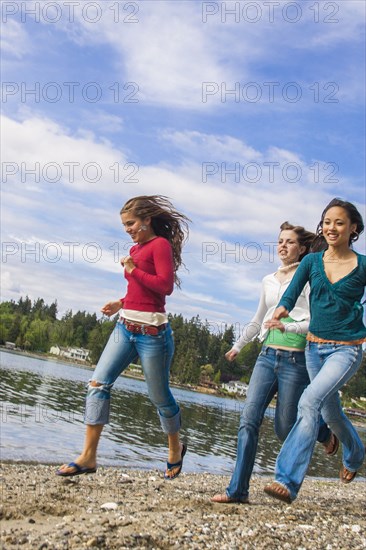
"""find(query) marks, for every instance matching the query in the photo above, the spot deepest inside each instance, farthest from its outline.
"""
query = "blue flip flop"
(170, 466)
(79, 470)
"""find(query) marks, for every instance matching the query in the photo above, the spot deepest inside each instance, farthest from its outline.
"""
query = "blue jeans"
(276, 371)
(330, 366)
(123, 347)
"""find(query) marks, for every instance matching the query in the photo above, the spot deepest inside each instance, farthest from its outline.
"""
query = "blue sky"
(245, 114)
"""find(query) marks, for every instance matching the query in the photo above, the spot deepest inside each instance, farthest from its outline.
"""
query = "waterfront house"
(235, 386)
(79, 354)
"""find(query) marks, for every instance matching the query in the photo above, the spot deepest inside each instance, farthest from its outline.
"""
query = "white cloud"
(15, 41)
(199, 145)
(38, 151)
(8, 285)
(103, 122)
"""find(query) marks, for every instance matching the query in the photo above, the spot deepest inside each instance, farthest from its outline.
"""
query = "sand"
(119, 508)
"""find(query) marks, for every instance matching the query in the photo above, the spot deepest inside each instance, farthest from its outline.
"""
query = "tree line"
(199, 357)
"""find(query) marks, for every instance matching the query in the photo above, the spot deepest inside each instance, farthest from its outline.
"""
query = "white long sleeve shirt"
(271, 293)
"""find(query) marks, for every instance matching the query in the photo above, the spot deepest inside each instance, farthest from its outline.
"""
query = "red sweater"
(153, 277)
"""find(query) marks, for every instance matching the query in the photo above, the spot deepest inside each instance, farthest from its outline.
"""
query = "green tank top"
(285, 339)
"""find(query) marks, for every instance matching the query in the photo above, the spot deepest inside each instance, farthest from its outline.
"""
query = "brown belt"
(136, 328)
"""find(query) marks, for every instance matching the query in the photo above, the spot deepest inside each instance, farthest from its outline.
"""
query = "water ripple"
(42, 420)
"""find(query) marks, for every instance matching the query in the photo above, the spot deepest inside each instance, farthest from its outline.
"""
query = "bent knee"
(309, 401)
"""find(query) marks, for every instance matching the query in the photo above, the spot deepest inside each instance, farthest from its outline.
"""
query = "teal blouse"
(336, 312)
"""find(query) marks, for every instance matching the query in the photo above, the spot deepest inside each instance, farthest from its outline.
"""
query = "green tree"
(98, 337)
(38, 309)
(38, 335)
(217, 378)
(24, 306)
(206, 374)
(247, 358)
(6, 321)
(15, 329)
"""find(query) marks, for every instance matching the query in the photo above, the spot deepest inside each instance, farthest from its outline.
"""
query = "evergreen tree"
(25, 306)
(98, 337)
(15, 329)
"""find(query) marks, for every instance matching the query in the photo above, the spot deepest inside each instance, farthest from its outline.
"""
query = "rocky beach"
(119, 508)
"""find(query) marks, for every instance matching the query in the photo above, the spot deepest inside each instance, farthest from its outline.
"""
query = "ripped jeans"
(123, 348)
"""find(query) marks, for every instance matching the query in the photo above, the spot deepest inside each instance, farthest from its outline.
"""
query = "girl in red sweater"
(143, 330)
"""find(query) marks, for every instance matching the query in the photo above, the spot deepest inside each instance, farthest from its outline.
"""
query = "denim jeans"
(330, 366)
(123, 347)
(276, 371)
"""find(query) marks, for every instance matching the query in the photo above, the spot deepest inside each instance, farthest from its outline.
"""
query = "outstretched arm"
(252, 329)
(110, 308)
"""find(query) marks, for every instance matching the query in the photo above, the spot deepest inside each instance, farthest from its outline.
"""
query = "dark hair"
(353, 215)
(166, 222)
(304, 237)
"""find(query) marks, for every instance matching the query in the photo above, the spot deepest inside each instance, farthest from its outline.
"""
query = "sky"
(244, 114)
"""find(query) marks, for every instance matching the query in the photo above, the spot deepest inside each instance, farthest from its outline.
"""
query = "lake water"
(42, 420)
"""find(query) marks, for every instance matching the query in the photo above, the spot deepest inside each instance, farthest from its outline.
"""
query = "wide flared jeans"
(330, 366)
(123, 348)
(276, 371)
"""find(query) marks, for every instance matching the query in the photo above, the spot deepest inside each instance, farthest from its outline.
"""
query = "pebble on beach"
(120, 509)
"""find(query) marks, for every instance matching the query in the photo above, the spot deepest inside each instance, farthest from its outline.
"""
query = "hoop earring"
(143, 227)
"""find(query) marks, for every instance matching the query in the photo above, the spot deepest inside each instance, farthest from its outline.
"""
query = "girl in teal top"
(336, 310)
(337, 280)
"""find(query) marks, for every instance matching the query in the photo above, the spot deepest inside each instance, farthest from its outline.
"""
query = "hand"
(280, 313)
(110, 308)
(274, 323)
(127, 263)
(230, 355)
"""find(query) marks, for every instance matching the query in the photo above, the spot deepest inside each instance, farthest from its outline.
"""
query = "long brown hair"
(304, 237)
(166, 222)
